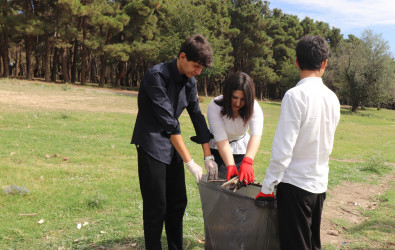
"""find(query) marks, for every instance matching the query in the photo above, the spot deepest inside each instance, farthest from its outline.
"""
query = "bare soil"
(347, 202)
(66, 98)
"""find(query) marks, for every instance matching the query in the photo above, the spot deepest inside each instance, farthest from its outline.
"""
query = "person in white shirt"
(310, 113)
(230, 116)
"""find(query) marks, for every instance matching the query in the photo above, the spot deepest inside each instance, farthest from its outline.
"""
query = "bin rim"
(219, 188)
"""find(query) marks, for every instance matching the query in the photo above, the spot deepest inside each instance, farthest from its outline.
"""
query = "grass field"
(66, 161)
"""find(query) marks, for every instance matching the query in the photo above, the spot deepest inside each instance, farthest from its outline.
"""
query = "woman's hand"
(246, 171)
(231, 171)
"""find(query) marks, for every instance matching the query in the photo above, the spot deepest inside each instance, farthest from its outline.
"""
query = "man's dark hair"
(311, 52)
(198, 49)
(238, 81)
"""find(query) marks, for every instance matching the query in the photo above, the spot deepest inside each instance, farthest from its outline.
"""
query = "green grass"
(365, 133)
(77, 164)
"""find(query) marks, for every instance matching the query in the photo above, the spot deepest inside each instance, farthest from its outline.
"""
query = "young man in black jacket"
(165, 91)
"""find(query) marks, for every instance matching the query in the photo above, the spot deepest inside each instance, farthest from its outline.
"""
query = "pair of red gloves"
(246, 171)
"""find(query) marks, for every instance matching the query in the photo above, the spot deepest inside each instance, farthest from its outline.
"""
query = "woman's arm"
(256, 127)
(253, 146)
(226, 152)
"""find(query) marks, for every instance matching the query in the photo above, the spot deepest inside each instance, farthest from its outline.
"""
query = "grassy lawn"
(66, 161)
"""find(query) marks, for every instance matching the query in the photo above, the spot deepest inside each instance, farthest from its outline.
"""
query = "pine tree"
(6, 26)
(105, 21)
(251, 46)
(30, 26)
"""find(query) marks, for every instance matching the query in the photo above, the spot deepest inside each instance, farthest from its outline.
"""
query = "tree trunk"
(127, 75)
(47, 52)
(1, 65)
(93, 70)
(103, 66)
(65, 72)
(122, 72)
(84, 53)
(103, 63)
(6, 62)
(55, 63)
(36, 72)
(17, 60)
(5, 45)
(354, 107)
(29, 47)
(74, 63)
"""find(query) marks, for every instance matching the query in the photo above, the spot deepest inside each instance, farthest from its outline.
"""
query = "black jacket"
(163, 95)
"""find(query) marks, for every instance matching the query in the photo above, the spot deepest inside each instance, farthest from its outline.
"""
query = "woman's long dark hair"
(238, 81)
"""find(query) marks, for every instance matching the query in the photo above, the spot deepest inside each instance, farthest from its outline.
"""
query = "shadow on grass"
(133, 243)
(120, 243)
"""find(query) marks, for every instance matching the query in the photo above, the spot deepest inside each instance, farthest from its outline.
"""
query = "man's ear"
(324, 63)
(297, 63)
(182, 56)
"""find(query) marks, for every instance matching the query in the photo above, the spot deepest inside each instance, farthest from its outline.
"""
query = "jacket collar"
(174, 72)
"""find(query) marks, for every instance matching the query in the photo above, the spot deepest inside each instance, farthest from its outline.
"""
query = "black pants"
(221, 165)
(164, 200)
(299, 217)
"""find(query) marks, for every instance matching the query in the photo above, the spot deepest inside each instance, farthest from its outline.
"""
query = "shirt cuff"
(175, 131)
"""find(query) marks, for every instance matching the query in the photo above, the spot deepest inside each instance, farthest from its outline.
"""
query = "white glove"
(212, 168)
(195, 170)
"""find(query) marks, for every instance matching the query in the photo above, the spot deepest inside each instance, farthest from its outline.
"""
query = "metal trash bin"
(232, 221)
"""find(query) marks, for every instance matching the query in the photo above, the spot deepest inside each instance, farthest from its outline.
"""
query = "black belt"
(238, 139)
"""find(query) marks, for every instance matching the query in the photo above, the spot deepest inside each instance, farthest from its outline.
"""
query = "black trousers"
(221, 164)
(299, 217)
(164, 200)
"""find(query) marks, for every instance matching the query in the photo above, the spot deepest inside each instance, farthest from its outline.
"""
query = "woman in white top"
(230, 116)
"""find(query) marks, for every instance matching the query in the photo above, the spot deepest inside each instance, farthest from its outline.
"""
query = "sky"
(350, 16)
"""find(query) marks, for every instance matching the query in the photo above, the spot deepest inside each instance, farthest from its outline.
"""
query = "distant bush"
(66, 87)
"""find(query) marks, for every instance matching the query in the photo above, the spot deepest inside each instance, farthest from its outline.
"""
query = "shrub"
(96, 201)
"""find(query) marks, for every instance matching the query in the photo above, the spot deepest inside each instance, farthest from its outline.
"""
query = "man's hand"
(263, 200)
(246, 171)
(231, 171)
(195, 170)
(212, 168)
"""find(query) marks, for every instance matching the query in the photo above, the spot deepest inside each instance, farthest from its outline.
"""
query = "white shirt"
(233, 129)
(304, 137)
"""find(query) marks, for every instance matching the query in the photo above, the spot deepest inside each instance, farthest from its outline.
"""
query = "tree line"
(115, 42)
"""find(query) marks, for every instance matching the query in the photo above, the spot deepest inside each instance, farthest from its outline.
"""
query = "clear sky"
(350, 16)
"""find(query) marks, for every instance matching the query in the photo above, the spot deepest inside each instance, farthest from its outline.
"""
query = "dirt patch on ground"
(68, 97)
(347, 202)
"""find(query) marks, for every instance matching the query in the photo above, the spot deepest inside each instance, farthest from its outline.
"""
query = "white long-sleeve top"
(310, 113)
(233, 129)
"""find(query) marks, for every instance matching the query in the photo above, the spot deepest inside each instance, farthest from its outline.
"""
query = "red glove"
(246, 170)
(231, 171)
(263, 200)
